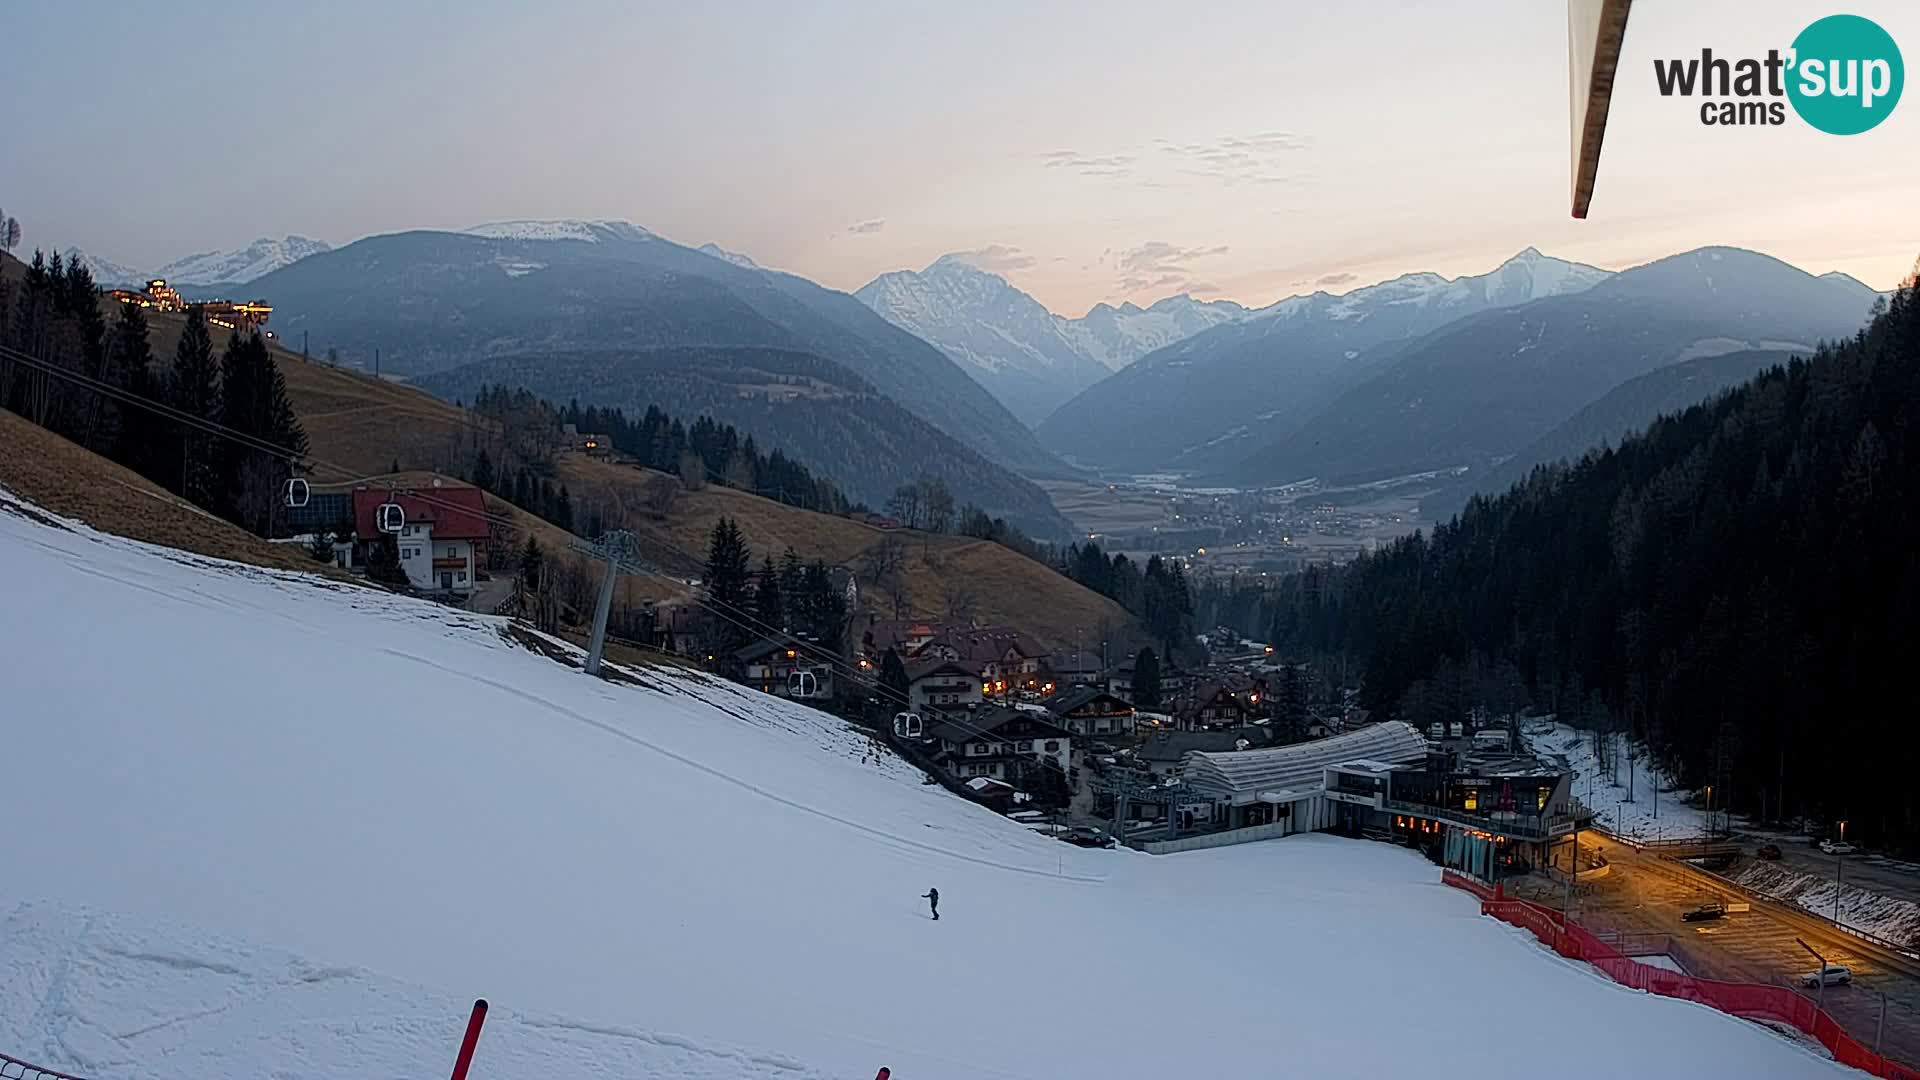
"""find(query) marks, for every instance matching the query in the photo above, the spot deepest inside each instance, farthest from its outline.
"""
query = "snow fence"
(1750, 1001)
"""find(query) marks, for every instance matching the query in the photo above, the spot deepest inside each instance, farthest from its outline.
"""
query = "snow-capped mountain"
(108, 274)
(234, 267)
(240, 266)
(1213, 397)
(562, 229)
(1117, 336)
(1029, 357)
(733, 257)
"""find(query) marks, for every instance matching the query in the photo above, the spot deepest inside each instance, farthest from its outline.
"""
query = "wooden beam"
(1595, 31)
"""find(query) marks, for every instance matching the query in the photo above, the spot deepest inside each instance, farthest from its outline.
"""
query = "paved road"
(1646, 895)
(1874, 873)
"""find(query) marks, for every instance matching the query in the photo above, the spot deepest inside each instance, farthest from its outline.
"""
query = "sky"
(1090, 152)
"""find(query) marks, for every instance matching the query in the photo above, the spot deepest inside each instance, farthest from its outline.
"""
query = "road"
(1644, 894)
(1874, 873)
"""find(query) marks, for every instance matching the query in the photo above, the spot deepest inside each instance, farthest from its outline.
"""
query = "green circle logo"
(1847, 75)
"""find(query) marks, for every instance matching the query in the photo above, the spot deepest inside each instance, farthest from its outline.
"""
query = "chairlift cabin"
(297, 492)
(389, 517)
(803, 684)
(908, 725)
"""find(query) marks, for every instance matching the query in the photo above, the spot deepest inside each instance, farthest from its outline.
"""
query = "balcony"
(1535, 828)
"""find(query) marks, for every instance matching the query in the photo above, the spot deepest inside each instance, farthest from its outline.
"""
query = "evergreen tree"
(142, 442)
(483, 471)
(563, 510)
(383, 562)
(893, 678)
(1146, 680)
(768, 606)
(727, 563)
(193, 388)
(254, 403)
(532, 562)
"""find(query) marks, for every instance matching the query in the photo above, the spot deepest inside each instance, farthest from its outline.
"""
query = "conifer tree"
(768, 605)
(193, 388)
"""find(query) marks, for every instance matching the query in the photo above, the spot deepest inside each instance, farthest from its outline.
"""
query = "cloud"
(1089, 164)
(871, 225)
(1157, 264)
(996, 258)
(1238, 159)
(1330, 280)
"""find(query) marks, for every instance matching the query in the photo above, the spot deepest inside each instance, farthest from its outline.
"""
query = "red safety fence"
(1750, 1001)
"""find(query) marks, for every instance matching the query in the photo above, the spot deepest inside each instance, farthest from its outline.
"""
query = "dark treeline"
(1157, 593)
(791, 597)
(1737, 586)
(703, 451)
(53, 315)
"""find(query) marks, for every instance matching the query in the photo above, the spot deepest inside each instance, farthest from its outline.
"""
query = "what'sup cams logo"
(1842, 75)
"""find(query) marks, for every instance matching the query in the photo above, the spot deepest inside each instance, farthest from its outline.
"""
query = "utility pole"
(1820, 976)
(1839, 862)
(613, 547)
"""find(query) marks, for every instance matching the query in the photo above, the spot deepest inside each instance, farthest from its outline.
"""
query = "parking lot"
(1646, 895)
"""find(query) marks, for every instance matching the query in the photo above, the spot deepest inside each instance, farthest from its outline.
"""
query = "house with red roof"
(442, 538)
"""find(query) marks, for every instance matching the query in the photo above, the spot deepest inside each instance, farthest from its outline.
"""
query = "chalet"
(787, 666)
(1089, 710)
(1079, 668)
(1008, 659)
(1163, 753)
(1223, 701)
(944, 684)
(442, 538)
(1000, 743)
(904, 636)
(1119, 680)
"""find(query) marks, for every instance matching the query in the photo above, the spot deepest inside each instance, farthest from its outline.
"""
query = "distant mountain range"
(1481, 389)
(1211, 400)
(1030, 358)
(209, 269)
(434, 301)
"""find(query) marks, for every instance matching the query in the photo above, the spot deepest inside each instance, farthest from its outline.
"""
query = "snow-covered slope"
(239, 794)
(236, 267)
(1032, 359)
(108, 274)
(242, 265)
(566, 229)
(733, 257)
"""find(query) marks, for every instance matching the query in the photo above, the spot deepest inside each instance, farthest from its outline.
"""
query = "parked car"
(1705, 912)
(1832, 975)
(1768, 851)
(1088, 836)
(1836, 847)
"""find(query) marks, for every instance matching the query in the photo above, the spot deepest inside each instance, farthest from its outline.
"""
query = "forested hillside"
(817, 411)
(1737, 585)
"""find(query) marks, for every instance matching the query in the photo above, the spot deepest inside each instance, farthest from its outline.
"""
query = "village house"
(1008, 659)
(943, 684)
(1000, 743)
(441, 540)
(1164, 752)
(1080, 668)
(1227, 700)
(1090, 711)
(786, 666)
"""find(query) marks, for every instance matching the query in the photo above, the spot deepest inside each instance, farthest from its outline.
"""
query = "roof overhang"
(1595, 31)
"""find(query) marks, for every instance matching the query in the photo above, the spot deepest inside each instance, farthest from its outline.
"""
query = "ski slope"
(264, 825)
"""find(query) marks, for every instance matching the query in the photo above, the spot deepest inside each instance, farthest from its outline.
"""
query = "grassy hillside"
(364, 425)
(74, 482)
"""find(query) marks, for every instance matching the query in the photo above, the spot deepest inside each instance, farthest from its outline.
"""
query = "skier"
(932, 897)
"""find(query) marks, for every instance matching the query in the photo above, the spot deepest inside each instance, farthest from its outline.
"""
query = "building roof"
(985, 642)
(456, 513)
(895, 633)
(960, 726)
(1080, 663)
(1302, 766)
(768, 645)
(923, 669)
(1080, 696)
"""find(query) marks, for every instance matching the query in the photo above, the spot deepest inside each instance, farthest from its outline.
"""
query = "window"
(979, 748)
(460, 576)
(1026, 744)
(1543, 798)
(451, 554)
(1473, 799)
(1053, 746)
